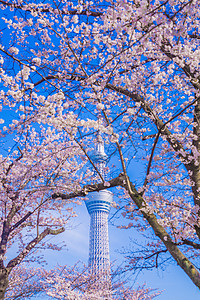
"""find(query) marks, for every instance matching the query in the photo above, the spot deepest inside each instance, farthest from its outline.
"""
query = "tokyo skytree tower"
(98, 206)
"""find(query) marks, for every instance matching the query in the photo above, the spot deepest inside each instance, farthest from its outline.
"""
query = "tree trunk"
(3, 282)
(196, 164)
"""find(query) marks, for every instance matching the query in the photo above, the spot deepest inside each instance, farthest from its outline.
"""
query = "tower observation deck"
(98, 206)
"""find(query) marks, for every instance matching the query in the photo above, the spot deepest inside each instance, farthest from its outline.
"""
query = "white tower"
(98, 206)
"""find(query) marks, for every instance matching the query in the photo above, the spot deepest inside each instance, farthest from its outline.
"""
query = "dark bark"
(196, 161)
(3, 282)
(160, 232)
(118, 181)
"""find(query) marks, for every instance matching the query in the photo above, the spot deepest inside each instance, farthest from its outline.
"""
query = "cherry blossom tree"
(71, 283)
(75, 282)
(128, 70)
(24, 282)
(41, 163)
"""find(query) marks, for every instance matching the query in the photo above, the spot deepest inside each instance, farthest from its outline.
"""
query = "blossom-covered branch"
(16, 261)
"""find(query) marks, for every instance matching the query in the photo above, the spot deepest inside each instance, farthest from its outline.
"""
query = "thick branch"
(22, 220)
(14, 262)
(190, 243)
(160, 232)
(6, 231)
(118, 181)
(11, 165)
(45, 78)
(4, 240)
(196, 165)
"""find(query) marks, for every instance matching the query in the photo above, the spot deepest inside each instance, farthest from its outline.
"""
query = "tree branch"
(6, 231)
(194, 81)
(164, 131)
(118, 181)
(85, 12)
(176, 145)
(156, 254)
(14, 262)
(190, 243)
(150, 160)
(160, 232)
(22, 220)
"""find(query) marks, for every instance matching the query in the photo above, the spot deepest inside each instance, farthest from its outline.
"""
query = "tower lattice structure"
(98, 206)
